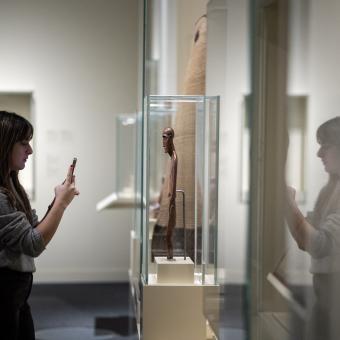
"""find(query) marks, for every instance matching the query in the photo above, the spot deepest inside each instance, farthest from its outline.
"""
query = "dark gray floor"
(83, 311)
(232, 313)
(105, 312)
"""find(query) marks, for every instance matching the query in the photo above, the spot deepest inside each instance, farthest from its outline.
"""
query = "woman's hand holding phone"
(65, 192)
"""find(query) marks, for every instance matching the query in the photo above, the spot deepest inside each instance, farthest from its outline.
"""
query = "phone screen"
(73, 165)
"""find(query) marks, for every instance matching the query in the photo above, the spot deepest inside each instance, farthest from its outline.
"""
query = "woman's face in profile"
(330, 157)
(20, 152)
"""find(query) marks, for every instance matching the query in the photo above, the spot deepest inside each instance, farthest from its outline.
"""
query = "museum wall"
(79, 58)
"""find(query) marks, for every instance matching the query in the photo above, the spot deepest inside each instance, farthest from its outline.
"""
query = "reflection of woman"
(22, 237)
(319, 235)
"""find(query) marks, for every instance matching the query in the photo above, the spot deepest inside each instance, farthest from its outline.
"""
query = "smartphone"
(73, 165)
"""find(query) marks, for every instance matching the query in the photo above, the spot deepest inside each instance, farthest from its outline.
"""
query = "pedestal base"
(177, 270)
(174, 312)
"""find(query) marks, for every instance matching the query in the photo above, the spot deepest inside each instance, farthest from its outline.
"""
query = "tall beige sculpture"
(184, 125)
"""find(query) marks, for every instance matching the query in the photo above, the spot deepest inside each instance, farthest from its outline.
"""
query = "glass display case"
(179, 281)
(179, 296)
(123, 194)
(125, 144)
(194, 120)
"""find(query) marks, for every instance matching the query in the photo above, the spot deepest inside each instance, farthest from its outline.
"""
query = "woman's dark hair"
(329, 132)
(13, 129)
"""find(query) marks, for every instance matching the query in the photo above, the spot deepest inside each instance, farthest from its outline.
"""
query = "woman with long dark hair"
(22, 237)
(319, 235)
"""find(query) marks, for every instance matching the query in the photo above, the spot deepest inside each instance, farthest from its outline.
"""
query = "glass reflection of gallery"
(293, 282)
(246, 104)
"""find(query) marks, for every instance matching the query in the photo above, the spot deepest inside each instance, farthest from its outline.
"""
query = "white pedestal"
(172, 312)
(176, 271)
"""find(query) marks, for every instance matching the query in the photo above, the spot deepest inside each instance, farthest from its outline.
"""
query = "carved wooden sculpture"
(169, 148)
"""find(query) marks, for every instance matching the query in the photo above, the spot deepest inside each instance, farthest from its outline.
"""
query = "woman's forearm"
(299, 227)
(50, 223)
